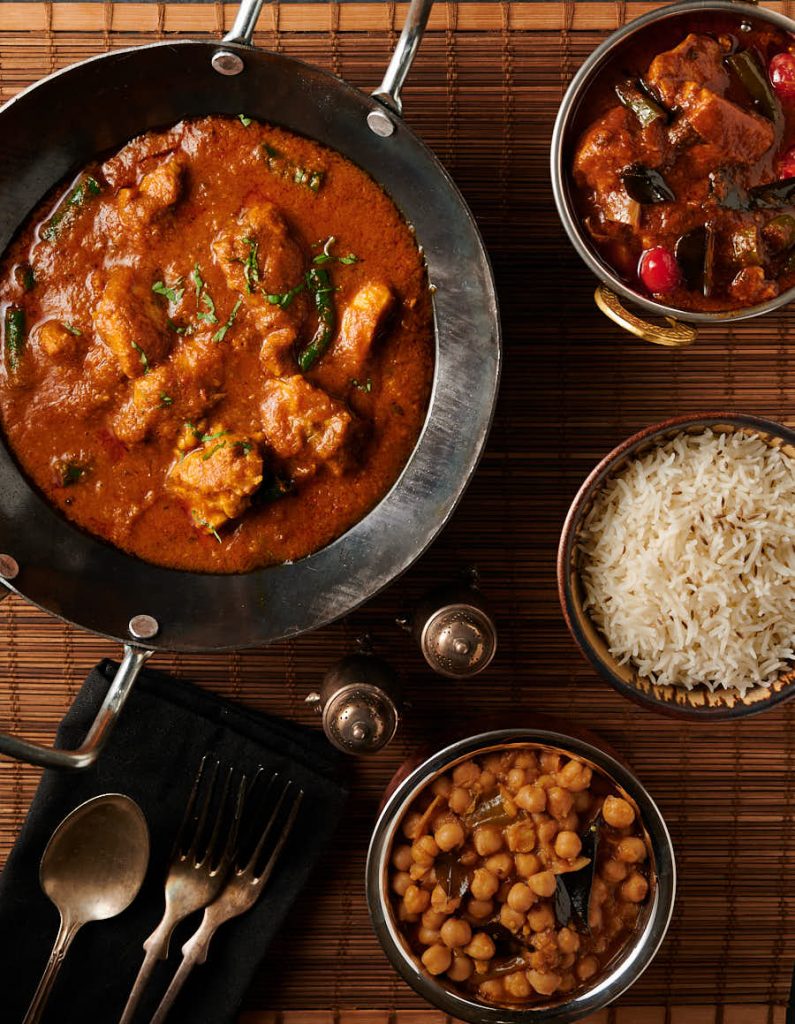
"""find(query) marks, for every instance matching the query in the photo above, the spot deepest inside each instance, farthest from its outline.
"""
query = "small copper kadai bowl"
(612, 291)
(628, 963)
(700, 702)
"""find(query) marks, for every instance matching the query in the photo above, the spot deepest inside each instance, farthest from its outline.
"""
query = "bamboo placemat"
(483, 94)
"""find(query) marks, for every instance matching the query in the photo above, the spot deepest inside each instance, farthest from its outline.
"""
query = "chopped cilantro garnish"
(193, 429)
(142, 356)
(327, 256)
(204, 438)
(179, 328)
(213, 450)
(72, 329)
(245, 121)
(166, 399)
(197, 279)
(220, 334)
(250, 265)
(203, 522)
(244, 446)
(209, 316)
(363, 385)
(173, 293)
(71, 473)
(284, 299)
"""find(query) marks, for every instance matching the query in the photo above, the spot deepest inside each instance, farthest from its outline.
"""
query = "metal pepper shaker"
(359, 699)
(454, 628)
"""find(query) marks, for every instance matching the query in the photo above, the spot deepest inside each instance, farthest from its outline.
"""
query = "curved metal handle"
(89, 750)
(678, 335)
(66, 932)
(403, 57)
(245, 22)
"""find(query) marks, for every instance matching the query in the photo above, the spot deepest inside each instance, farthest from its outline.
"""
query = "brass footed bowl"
(699, 702)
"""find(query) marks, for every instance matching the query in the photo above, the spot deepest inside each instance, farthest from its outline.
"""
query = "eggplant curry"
(685, 172)
(217, 346)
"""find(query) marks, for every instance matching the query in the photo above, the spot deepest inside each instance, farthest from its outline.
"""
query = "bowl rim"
(592, 483)
(609, 986)
(580, 83)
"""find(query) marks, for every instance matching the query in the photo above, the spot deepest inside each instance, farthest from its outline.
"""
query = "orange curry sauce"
(159, 382)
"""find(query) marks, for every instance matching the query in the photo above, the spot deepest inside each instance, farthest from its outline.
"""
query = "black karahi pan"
(59, 125)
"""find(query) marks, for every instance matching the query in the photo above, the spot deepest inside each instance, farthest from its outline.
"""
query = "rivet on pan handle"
(678, 335)
(388, 93)
(88, 751)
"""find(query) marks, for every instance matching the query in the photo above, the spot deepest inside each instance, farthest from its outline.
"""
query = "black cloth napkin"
(152, 756)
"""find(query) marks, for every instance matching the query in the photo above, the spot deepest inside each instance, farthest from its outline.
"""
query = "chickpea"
(404, 915)
(521, 836)
(442, 903)
(401, 880)
(570, 823)
(567, 845)
(494, 763)
(568, 940)
(466, 774)
(442, 786)
(428, 936)
(631, 850)
(484, 884)
(614, 871)
(511, 919)
(566, 961)
(424, 851)
(635, 888)
(559, 801)
(575, 776)
(532, 799)
(492, 991)
(481, 947)
(459, 800)
(418, 871)
(436, 959)
(521, 897)
(516, 779)
(547, 830)
(526, 759)
(629, 912)
(543, 883)
(527, 864)
(416, 899)
(594, 917)
(461, 967)
(488, 840)
(567, 982)
(433, 919)
(456, 932)
(550, 762)
(504, 889)
(401, 857)
(410, 824)
(468, 856)
(582, 801)
(617, 812)
(480, 909)
(599, 891)
(545, 983)
(587, 967)
(545, 781)
(487, 782)
(541, 918)
(517, 985)
(449, 835)
(500, 864)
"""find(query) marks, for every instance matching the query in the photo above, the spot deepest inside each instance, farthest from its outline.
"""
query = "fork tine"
(252, 864)
(201, 819)
(287, 828)
(230, 846)
(209, 849)
(182, 835)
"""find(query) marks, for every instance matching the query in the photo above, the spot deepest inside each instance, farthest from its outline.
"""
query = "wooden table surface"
(483, 94)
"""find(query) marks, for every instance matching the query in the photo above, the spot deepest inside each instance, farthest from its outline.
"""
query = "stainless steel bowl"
(612, 289)
(699, 702)
(630, 962)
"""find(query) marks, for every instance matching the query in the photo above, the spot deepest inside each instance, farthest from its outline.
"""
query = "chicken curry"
(685, 167)
(217, 346)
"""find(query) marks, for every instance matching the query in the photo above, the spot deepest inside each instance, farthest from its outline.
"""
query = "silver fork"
(199, 865)
(242, 890)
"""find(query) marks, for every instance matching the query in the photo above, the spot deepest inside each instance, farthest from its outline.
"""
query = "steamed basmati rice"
(687, 559)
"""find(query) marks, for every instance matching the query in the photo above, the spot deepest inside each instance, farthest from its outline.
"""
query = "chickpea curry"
(217, 346)
(684, 171)
(519, 875)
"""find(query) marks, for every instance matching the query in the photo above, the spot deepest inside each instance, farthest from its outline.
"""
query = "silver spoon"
(92, 869)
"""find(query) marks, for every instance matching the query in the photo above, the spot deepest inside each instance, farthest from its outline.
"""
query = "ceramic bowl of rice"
(676, 566)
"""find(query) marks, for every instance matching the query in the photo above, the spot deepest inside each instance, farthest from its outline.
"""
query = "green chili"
(634, 98)
(86, 188)
(322, 291)
(755, 82)
(14, 339)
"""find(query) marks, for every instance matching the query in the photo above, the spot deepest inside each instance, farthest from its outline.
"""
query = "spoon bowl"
(92, 869)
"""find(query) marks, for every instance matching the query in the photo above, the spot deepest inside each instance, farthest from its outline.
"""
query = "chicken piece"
(612, 143)
(58, 341)
(363, 320)
(305, 427)
(276, 353)
(199, 369)
(743, 134)
(132, 323)
(150, 398)
(158, 190)
(259, 251)
(218, 479)
(750, 287)
(696, 61)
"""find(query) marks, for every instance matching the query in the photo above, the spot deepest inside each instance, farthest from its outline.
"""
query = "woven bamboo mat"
(483, 94)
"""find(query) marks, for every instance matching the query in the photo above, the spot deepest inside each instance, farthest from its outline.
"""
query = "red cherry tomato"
(782, 75)
(658, 270)
(786, 167)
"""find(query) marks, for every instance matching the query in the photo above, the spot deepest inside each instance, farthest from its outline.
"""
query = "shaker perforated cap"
(360, 719)
(458, 640)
